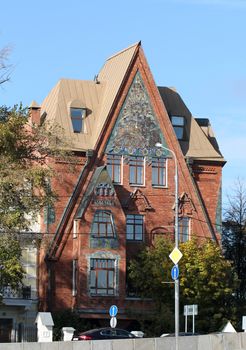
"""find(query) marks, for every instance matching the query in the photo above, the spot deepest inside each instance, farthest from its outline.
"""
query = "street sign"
(190, 310)
(175, 272)
(175, 255)
(113, 310)
(113, 322)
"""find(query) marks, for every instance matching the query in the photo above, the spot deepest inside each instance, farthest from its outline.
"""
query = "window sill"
(134, 241)
(102, 295)
(138, 298)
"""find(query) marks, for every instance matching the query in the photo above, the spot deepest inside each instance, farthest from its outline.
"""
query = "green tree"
(25, 168)
(234, 241)
(206, 279)
(11, 271)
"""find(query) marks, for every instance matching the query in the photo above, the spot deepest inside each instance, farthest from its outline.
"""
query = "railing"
(23, 292)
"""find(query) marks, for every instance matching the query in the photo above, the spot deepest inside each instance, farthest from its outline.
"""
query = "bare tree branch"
(5, 67)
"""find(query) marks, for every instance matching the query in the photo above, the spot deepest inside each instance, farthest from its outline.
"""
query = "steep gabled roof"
(113, 73)
(97, 96)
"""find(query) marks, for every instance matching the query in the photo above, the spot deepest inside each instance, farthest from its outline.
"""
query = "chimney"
(34, 113)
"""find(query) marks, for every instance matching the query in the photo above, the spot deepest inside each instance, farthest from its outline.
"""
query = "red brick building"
(122, 192)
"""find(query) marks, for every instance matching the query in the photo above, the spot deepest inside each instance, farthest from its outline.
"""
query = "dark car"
(103, 333)
(181, 334)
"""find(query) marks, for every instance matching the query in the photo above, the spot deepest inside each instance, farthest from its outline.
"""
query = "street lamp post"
(176, 281)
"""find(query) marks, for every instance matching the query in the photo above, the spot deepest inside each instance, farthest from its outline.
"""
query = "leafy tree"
(11, 271)
(234, 240)
(206, 279)
(25, 168)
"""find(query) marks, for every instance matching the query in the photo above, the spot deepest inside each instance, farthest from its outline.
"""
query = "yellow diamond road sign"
(176, 255)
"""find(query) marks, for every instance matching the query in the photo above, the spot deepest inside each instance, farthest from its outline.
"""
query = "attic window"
(77, 118)
(178, 123)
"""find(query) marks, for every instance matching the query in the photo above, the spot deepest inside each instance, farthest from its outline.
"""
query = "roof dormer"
(77, 112)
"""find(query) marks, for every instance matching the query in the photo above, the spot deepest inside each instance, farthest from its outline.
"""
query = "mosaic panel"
(137, 131)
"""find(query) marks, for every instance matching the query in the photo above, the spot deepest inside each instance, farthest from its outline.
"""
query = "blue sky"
(196, 46)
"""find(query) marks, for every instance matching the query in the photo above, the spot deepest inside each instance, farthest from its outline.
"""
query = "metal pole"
(193, 320)
(176, 285)
(176, 282)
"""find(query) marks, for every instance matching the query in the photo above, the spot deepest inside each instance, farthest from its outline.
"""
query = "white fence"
(226, 341)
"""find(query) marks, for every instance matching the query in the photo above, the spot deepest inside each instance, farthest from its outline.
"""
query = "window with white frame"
(134, 227)
(184, 229)
(102, 276)
(103, 225)
(159, 166)
(136, 170)
(114, 167)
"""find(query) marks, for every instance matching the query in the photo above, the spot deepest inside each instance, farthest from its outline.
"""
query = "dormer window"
(77, 118)
(178, 123)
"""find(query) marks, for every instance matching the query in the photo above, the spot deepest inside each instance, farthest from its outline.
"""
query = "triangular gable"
(112, 131)
(100, 191)
(136, 130)
(186, 206)
(138, 199)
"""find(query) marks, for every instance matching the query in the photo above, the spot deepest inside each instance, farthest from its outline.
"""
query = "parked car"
(103, 333)
(181, 334)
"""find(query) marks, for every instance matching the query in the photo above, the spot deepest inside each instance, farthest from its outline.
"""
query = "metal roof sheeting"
(98, 97)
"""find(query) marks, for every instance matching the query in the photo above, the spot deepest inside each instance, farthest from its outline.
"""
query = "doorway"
(6, 325)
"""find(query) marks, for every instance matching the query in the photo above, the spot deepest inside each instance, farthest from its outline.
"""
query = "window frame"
(177, 126)
(80, 118)
(160, 169)
(136, 165)
(133, 225)
(109, 286)
(114, 168)
(184, 228)
(103, 214)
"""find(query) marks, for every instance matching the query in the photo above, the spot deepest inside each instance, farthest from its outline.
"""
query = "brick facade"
(61, 287)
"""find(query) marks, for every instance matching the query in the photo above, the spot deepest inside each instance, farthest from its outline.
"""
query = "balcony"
(21, 296)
